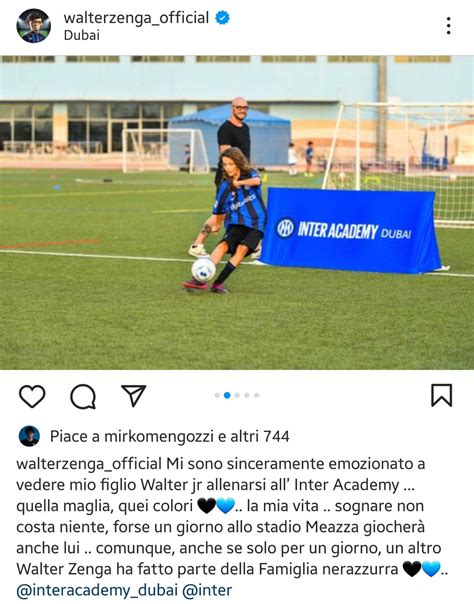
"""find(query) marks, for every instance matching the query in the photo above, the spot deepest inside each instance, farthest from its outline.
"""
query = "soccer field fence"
(163, 149)
(407, 147)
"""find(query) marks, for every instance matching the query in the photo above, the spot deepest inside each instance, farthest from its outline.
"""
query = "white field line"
(180, 211)
(59, 180)
(185, 211)
(99, 193)
(443, 274)
(158, 183)
(110, 257)
(154, 259)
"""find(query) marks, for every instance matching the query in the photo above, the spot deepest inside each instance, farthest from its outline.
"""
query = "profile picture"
(33, 25)
(29, 436)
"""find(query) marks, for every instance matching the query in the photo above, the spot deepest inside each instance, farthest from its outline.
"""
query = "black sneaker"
(218, 288)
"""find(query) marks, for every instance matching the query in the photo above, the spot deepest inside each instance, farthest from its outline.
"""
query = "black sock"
(225, 272)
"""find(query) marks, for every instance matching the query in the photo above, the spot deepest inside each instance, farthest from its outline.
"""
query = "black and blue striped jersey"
(243, 206)
(33, 36)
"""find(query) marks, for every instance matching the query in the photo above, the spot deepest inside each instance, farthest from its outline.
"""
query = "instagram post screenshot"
(237, 302)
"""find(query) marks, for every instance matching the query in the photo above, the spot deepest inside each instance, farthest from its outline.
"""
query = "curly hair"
(239, 160)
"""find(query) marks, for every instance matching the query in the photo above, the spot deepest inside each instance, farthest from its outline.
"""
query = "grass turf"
(99, 313)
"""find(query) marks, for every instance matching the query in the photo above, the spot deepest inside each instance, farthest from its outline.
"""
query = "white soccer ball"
(452, 177)
(342, 176)
(203, 269)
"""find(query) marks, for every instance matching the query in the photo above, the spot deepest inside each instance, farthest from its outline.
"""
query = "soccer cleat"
(256, 255)
(197, 250)
(194, 284)
(257, 263)
(218, 288)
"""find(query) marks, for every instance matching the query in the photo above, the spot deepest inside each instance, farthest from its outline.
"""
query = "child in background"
(292, 171)
(187, 157)
(309, 153)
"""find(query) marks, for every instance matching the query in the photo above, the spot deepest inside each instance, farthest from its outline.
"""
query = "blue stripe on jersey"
(33, 37)
(222, 193)
(244, 206)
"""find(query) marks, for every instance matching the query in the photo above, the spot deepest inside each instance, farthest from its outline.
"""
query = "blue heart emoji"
(431, 568)
(225, 505)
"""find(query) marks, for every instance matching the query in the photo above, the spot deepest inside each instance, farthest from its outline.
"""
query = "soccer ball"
(203, 269)
(342, 176)
(452, 177)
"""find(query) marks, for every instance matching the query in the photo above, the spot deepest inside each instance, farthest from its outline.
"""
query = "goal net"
(163, 149)
(407, 147)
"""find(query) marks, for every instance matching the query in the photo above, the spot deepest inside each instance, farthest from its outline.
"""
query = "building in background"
(86, 101)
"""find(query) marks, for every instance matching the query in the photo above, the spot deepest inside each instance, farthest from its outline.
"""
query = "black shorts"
(237, 234)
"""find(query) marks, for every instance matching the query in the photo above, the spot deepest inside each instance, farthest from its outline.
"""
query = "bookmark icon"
(442, 393)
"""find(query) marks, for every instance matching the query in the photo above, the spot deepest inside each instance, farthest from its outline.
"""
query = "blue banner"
(375, 231)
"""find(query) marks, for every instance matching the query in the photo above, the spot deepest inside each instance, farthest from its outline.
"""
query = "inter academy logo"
(285, 228)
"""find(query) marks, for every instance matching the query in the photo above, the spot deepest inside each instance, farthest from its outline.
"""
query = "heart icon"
(431, 568)
(225, 505)
(411, 568)
(206, 505)
(32, 395)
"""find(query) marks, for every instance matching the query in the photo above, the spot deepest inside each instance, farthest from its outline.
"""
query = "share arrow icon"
(134, 392)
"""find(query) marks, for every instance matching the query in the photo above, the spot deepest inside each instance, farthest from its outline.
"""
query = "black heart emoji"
(32, 395)
(412, 568)
(206, 505)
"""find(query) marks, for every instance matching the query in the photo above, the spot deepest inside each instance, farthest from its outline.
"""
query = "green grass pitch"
(86, 312)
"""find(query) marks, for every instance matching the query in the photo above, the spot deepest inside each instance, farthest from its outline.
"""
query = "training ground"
(91, 276)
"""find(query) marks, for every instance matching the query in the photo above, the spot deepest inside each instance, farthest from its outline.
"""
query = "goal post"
(423, 147)
(163, 149)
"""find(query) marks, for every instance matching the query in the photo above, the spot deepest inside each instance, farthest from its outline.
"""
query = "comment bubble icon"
(83, 396)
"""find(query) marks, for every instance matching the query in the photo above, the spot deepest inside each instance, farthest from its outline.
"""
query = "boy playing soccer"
(240, 205)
